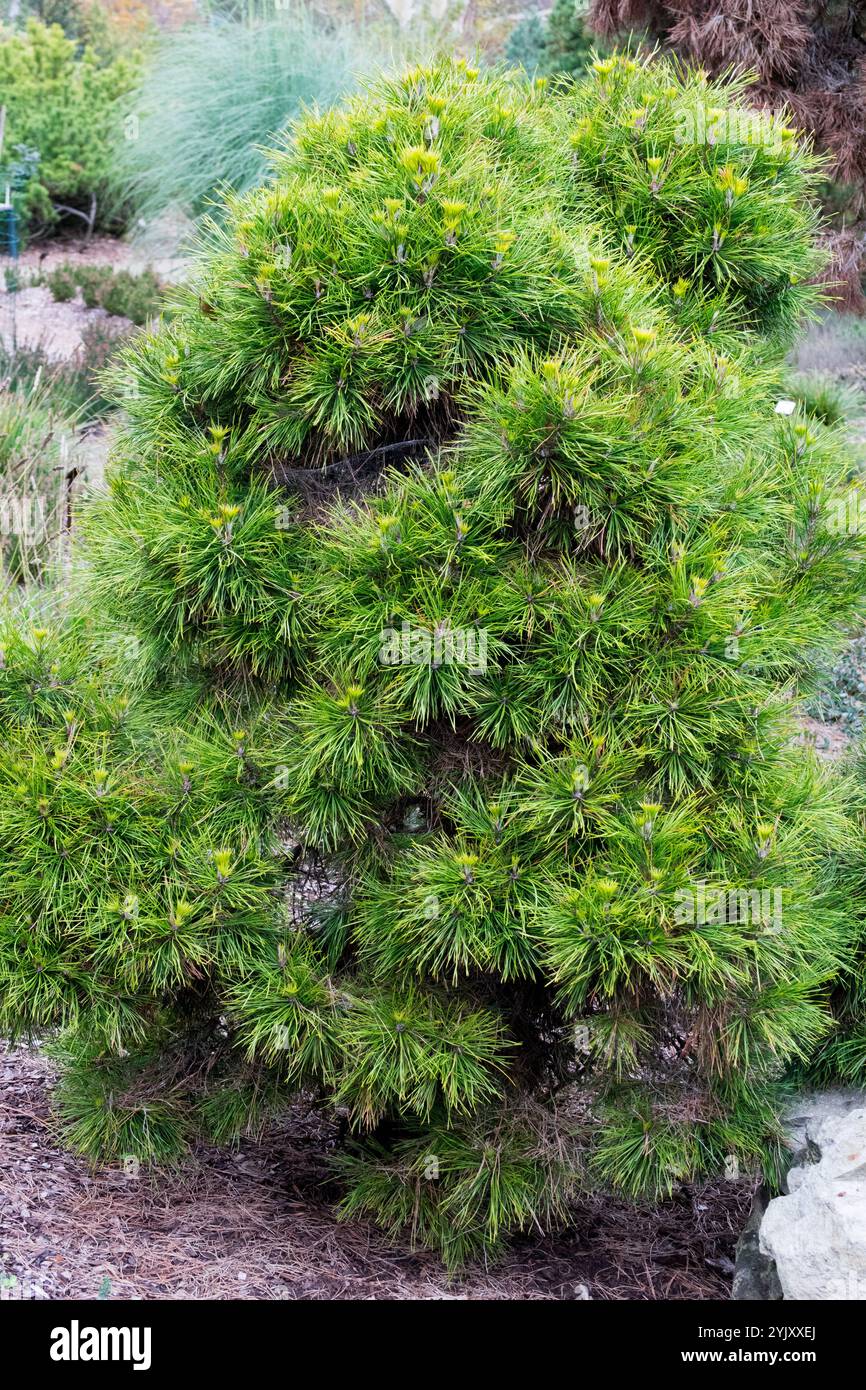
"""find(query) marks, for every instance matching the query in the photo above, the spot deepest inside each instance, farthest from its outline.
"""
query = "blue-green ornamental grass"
(182, 141)
(432, 651)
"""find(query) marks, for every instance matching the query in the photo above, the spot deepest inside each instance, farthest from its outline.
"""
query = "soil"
(831, 741)
(258, 1222)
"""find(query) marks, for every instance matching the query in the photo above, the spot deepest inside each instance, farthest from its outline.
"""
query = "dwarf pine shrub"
(422, 733)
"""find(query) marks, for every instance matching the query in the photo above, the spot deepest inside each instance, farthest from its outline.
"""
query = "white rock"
(816, 1233)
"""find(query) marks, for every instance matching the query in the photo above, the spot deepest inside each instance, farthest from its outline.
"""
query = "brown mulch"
(258, 1223)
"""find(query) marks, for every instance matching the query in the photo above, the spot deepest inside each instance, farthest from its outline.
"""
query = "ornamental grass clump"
(456, 573)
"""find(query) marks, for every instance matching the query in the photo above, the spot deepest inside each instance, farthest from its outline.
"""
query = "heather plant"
(75, 387)
(37, 449)
(456, 576)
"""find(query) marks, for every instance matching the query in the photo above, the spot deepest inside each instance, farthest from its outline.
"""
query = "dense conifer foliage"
(810, 54)
(421, 731)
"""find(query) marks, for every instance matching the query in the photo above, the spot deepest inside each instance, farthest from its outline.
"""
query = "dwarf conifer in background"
(421, 730)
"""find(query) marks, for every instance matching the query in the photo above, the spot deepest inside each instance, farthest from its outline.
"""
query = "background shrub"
(126, 294)
(559, 44)
(67, 105)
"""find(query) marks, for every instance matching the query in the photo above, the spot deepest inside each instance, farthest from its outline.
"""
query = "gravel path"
(30, 317)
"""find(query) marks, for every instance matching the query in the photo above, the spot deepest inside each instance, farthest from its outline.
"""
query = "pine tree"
(420, 731)
(560, 44)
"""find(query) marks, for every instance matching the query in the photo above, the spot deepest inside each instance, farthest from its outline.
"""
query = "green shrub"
(93, 281)
(525, 45)
(697, 206)
(825, 397)
(135, 296)
(569, 44)
(560, 45)
(62, 282)
(68, 14)
(456, 571)
(69, 107)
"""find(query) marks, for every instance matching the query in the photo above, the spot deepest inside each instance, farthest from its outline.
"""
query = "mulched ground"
(258, 1223)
